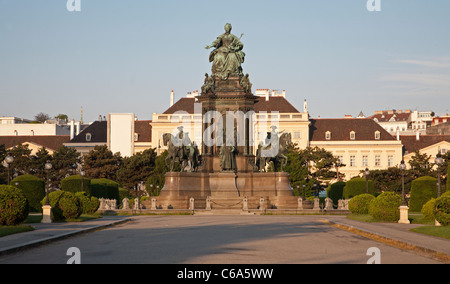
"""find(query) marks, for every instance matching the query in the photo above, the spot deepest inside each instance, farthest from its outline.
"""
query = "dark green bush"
(386, 207)
(13, 205)
(360, 203)
(335, 192)
(357, 186)
(105, 188)
(422, 190)
(442, 210)
(75, 183)
(89, 204)
(65, 205)
(33, 188)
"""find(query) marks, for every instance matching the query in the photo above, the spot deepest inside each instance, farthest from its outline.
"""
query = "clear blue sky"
(127, 56)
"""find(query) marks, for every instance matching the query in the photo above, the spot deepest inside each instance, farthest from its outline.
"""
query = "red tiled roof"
(340, 129)
(144, 130)
(411, 144)
(386, 117)
(50, 142)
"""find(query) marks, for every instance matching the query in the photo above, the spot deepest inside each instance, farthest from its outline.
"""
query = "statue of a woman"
(228, 56)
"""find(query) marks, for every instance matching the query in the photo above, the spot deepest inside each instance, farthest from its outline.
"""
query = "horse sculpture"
(185, 155)
(280, 158)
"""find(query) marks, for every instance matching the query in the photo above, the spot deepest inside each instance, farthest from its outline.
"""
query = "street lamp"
(48, 166)
(402, 167)
(9, 160)
(82, 174)
(366, 174)
(439, 161)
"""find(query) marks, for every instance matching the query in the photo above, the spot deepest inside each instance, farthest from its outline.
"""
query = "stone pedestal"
(224, 189)
(404, 215)
(46, 214)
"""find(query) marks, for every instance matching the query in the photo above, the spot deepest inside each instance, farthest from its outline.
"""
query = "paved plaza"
(224, 239)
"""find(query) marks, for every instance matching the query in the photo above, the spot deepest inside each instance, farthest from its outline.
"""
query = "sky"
(117, 56)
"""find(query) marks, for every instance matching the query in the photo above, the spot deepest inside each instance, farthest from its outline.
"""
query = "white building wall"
(121, 133)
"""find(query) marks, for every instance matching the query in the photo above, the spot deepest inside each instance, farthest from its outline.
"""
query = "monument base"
(227, 190)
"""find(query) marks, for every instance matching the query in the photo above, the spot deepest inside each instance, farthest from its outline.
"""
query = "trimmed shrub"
(428, 210)
(33, 188)
(89, 204)
(65, 205)
(13, 206)
(448, 179)
(442, 210)
(335, 191)
(356, 187)
(123, 193)
(386, 207)
(422, 190)
(74, 183)
(105, 188)
(360, 203)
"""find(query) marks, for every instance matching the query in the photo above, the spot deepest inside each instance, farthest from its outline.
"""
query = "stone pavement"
(45, 233)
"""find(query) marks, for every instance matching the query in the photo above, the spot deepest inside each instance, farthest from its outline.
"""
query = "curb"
(39, 242)
(437, 255)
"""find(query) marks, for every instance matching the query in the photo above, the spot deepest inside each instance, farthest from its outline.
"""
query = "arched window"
(88, 137)
(352, 135)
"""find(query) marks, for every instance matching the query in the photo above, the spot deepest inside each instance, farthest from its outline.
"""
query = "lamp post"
(366, 174)
(404, 206)
(439, 161)
(9, 160)
(402, 168)
(46, 209)
(82, 174)
(48, 166)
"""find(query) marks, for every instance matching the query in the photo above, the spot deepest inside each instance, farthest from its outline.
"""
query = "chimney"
(172, 98)
(72, 130)
(398, 135)
(267, 95)
(78, 126)
(417, 135)
(305, 106)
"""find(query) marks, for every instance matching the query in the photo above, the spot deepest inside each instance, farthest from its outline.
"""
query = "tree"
(158, 178)
(420, 165)
(62, 117)
(22, 159)
(41, 117)
(38, 162)
(137, 168)
(102, 163)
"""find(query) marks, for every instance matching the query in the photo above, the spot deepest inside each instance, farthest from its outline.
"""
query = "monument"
(226, 170)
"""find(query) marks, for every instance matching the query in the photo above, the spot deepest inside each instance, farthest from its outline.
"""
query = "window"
(88, 137)
(352, 161)
(297, 135)
(377, 135)
(377, 161)
(390, 161)
(328, 135)
(365, 161)
(341, 159)
(352, 135)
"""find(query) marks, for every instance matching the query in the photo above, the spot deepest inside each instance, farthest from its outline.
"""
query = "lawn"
(428, 229)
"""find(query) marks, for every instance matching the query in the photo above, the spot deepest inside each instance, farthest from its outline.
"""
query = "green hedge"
(13, 205)
(442, 210)
(386, 207)
(33, 188)
(357, 186)
(105, 188)
(74, 183)
(89, 204)
(65, 205)
(335, 191)
(422, 190)
(360, 203)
